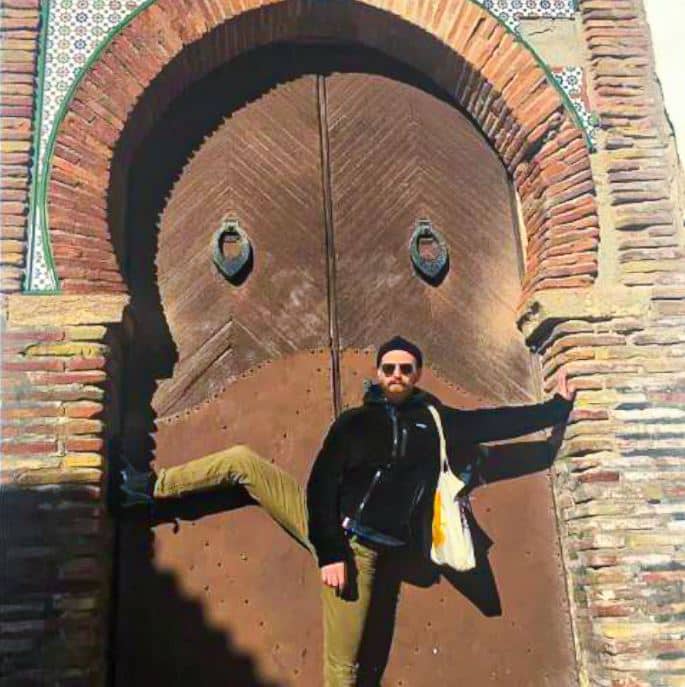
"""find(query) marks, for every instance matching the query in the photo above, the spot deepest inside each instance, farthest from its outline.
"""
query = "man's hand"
(566, 389)
(335, 575)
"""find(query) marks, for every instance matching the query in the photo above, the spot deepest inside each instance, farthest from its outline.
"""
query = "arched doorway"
(328, 157)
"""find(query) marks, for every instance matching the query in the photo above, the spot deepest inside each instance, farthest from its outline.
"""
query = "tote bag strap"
(441, 434)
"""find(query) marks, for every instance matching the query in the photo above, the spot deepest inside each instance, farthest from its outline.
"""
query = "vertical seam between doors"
(333, 333)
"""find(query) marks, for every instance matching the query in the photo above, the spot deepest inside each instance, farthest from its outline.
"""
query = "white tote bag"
(451, 544)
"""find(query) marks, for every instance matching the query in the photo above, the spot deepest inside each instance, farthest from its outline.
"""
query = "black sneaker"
(136, 486)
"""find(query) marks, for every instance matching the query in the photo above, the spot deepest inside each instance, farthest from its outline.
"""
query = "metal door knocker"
(232, 251)
(428, 252)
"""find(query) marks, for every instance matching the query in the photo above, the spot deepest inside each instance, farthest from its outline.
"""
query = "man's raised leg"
(274, 489)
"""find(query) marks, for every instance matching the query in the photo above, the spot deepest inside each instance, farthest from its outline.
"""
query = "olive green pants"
(344, 617)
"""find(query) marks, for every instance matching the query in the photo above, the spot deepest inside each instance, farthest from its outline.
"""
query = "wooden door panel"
(507, 623)
(399, 154)
(261, 166)
(224, 597)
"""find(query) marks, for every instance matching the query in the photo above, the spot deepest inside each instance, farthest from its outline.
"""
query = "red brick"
(26, 428)
(83, 409)
(80, 241)
(29, 448)
(32, 335)
(10, 412)
(85, 286)
(587, 414)
(86, 363)
(56, 393)
(88, 269)
(75, 377)
(30, 364)
(84, 444)
(599, 476)
(82, 426)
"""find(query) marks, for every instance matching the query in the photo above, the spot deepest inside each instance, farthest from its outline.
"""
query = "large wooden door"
(327, 162)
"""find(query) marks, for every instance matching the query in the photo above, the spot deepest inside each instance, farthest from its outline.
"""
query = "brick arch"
(457, 43)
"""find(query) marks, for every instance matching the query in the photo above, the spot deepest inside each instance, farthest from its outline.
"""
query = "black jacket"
(390, 454)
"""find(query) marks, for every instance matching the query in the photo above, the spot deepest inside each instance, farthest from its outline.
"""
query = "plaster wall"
(667, 23)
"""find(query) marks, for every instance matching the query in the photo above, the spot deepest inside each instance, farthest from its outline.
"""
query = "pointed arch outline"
(496, 74)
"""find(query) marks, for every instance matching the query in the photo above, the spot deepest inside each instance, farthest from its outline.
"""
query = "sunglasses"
(405, 368)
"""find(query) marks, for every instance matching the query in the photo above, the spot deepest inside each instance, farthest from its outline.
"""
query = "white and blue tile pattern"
(75, 29)
(512, 11)
(572, 81)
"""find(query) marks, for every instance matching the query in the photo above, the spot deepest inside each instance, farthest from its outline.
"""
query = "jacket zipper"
(374, 481)
(395, 442)
(395, 432)
(403, 444)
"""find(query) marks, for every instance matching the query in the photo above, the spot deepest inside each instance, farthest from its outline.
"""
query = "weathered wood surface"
(399, 154)
(262, 166)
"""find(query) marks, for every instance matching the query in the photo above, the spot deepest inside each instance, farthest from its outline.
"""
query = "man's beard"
(397, 390)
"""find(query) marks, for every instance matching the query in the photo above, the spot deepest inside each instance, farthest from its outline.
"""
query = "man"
(371, 487)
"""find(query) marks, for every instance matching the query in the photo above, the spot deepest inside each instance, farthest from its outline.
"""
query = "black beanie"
(397, 343)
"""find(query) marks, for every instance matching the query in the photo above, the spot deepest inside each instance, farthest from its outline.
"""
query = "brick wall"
(637, 156)
(19, 34)
(619, 472)
(619, 483)
(60, 366)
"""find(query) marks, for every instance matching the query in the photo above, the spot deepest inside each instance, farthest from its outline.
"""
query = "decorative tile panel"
(512, 11)
(77, 28)
(573, 82)
(41, 277)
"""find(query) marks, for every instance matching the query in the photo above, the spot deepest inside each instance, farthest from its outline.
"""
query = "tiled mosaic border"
(573, 81)
(512, 11)
(76, 29)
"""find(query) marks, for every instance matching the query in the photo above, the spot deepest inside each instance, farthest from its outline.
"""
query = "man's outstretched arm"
(495, 424)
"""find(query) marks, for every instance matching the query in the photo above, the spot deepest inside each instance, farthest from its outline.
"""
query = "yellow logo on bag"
(438, 530)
